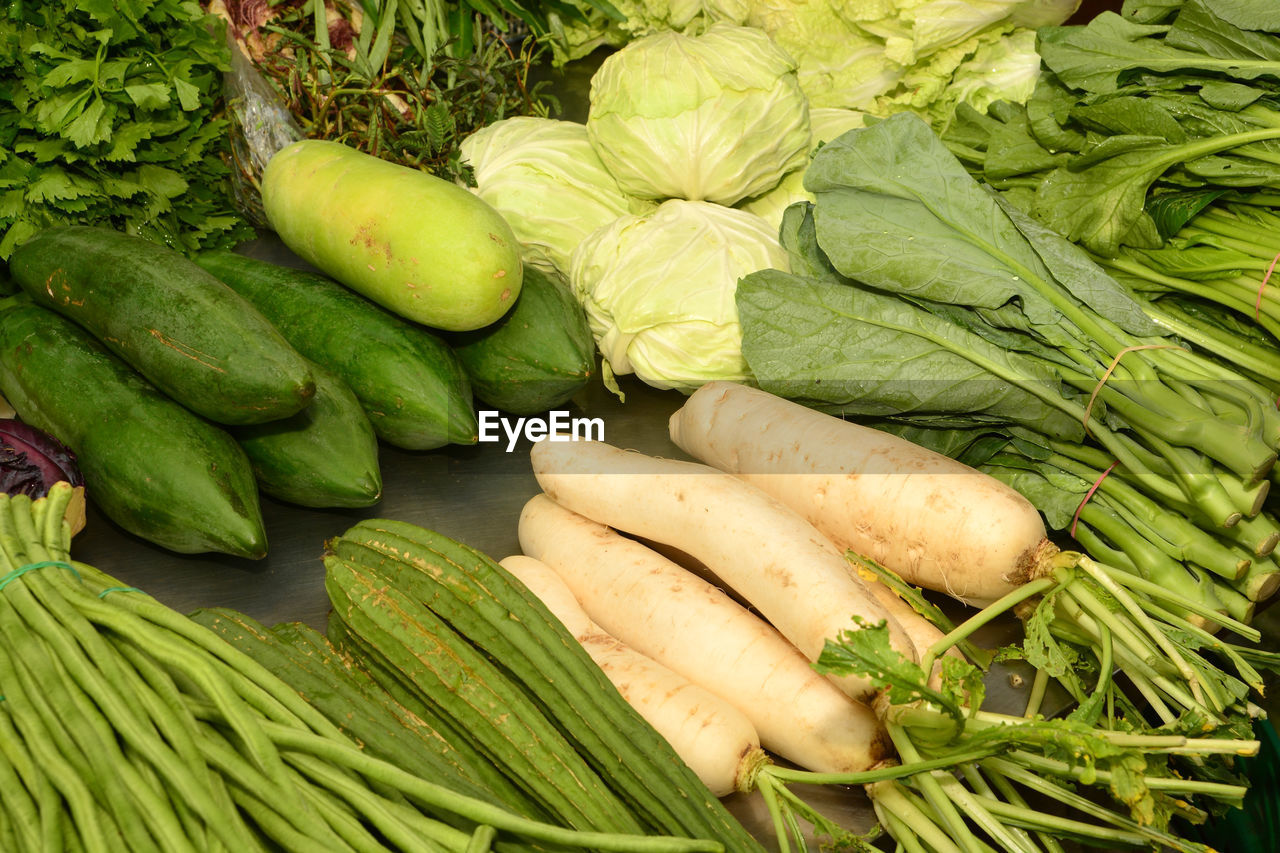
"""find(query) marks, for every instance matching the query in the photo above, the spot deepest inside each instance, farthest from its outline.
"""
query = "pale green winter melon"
(416, 244)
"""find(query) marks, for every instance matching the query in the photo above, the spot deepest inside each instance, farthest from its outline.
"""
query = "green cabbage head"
(544, 177)
(658, 290)
(712, 117)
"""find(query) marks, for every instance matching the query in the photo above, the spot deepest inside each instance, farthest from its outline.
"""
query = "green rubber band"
(103, 594)
(31, 567)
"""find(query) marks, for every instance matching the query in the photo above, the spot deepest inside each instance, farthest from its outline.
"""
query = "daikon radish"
(713, 737)
(935, 521)
(796, 578)
(684, 623)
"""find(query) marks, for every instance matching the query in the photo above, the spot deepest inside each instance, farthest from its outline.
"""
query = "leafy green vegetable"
(110, 115)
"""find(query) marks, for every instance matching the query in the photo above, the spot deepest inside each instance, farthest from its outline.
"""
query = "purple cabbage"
(31, 460)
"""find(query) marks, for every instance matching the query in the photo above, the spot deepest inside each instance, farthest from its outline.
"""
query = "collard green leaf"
(1231, 97)
(1129, 115)
(1049, 113)
(1170, 211)
(1197, 28)
(1082, 277)
(1100, 56)
(1247, 14)
(896, 210)
(1224, 170)
(852, 350)
(1102, 206)
(1149, 11)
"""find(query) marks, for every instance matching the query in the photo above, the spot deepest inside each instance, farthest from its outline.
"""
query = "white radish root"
(795, 577)
(693, 628)
(713, 737)
(936, 522)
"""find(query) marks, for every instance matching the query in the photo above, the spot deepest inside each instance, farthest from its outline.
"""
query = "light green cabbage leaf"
(715, 117)
(825, 124)
(544, 177)
(658, 290)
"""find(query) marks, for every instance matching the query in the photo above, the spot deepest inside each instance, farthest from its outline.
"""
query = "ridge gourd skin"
(418, 245)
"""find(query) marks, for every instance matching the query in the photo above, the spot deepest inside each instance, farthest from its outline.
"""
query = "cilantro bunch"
(110, 115)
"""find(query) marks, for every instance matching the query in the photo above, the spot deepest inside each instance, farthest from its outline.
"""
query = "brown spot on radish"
(372, 268)
(502, 274)
(506, 294)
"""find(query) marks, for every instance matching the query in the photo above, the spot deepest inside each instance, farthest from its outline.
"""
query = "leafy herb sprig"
(110, 115)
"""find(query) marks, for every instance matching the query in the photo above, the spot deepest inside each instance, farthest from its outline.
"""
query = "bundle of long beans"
(125, 725)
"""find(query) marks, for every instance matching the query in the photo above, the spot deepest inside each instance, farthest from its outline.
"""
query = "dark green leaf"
(1083, 278)
(1224, 95)
(851, 350)
(1049, 113)
(1198, 29)
(896, 210)
(1102, 206)
(1247, 14)
(1149, 11)
(1099, 56)
(1129, 114)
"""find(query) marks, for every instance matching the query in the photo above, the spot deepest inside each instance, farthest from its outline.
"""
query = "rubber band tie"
(103, 594)
(1257, 305)
(1115, 362)
(1075, 519)
(31, 567)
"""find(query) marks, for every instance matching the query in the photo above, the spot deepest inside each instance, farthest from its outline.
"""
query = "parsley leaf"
(111, 115)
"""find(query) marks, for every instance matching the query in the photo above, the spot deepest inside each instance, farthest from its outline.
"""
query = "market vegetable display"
(964, 776)
(1151, 141)
(902, 288)
(112, 118)
(189, 334)
(416, 244)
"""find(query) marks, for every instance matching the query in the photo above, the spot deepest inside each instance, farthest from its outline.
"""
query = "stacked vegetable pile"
(184, 388)
(924, 55)
(790, 489)
(1159, 159)
(127, 726)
